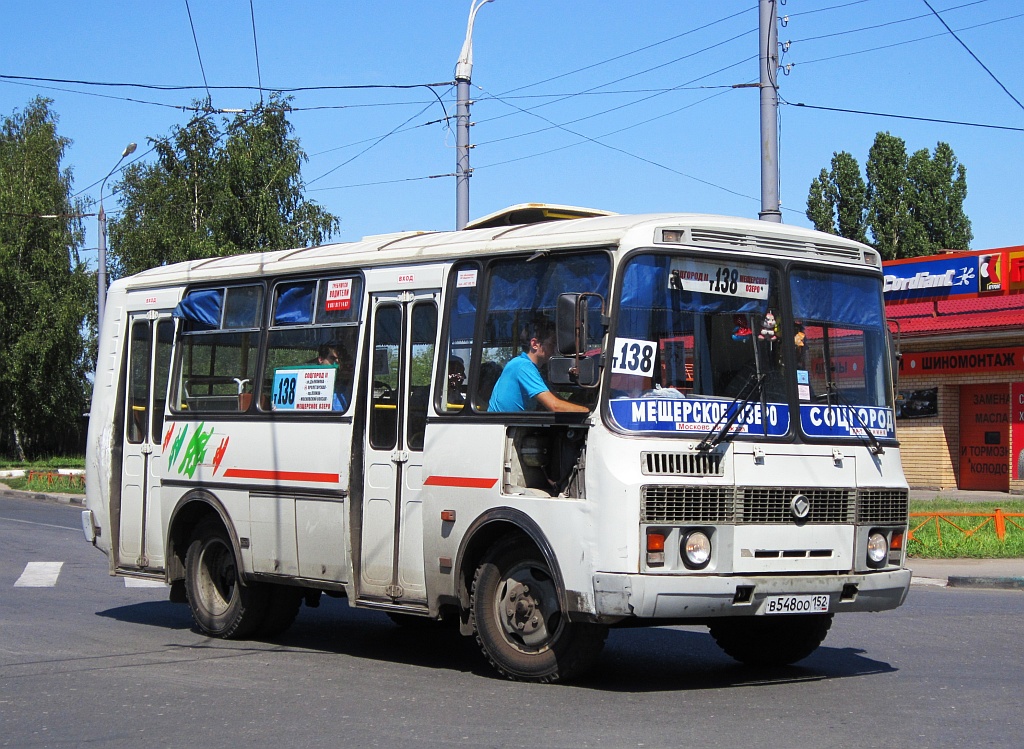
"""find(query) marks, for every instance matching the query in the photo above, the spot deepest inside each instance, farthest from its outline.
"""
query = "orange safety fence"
(55, 480)
(998, 518)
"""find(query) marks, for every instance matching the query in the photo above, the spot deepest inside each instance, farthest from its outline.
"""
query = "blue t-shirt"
(518, 387)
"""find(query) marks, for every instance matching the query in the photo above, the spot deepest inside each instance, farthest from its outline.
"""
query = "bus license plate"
(813, 604)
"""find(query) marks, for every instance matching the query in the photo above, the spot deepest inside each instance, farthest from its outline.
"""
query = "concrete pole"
(769, 57)
(101, 267)
(462, 157)
(463, 77)
(101, 260)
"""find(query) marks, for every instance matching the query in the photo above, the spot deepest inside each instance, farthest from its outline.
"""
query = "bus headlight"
(878, 549)
(696, 550)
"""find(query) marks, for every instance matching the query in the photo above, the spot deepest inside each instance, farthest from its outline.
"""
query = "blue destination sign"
(846, 421)
(699, 415)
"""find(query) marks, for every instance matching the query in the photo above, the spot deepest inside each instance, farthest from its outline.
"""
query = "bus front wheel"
(767, 641)
(221, 605)
(519, 623)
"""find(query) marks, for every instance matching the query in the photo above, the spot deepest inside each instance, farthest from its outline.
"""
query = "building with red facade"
(959, 320)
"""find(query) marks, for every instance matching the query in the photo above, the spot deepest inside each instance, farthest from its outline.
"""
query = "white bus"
(712, 442)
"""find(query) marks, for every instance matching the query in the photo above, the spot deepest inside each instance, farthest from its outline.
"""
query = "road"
(87, 661)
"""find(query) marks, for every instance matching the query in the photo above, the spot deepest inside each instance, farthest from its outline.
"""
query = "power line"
(259, 77)
(904, 117)
(277, 89)
(196, 40)
(632, 52)
(976, 59)
(876, 26)
(907, 41)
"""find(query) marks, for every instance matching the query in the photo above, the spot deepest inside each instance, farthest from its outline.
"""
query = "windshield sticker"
(303, 388)
(723, 279)
(633, 357)
(699, 415)
(466, 279)
(846, 421)
(339, 295)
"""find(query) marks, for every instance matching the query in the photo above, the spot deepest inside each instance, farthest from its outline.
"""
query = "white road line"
(138, 582)
(39, 575)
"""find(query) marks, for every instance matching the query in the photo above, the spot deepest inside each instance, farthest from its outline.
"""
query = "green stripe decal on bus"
(252, 473)
(460, 481)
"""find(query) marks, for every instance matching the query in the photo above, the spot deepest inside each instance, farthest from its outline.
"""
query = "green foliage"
(47, 296)
(947, 539)
(837, 202)
(910, 205)
(217, 189)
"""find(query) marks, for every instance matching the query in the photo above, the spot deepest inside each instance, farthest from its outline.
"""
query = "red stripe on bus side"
(463, 482)
(252, 473)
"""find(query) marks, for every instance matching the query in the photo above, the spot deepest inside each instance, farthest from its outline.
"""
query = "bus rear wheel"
(519, 623)
(221, 605)
(768, 641)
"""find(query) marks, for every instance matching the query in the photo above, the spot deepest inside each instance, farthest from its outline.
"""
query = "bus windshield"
(716, 336)
(695, 328)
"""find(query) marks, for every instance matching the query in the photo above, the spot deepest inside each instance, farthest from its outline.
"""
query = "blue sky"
(644, 88)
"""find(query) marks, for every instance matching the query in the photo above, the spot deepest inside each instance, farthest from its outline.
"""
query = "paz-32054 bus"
(269, 428)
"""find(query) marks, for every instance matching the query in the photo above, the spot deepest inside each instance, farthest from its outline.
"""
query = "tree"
(910, 205)
(938, 186)
(204, 198)
(47, 295)
(837, 202)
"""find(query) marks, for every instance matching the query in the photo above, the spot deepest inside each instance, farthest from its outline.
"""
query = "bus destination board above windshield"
(725, 279)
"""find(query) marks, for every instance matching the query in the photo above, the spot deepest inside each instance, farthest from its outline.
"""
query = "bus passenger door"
(403, 331)
(140, 543)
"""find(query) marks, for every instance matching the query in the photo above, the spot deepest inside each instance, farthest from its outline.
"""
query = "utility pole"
(769, 57)
(101, 260)
(463, 76)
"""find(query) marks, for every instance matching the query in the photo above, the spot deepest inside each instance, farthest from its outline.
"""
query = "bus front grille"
(681, 464)
(687, 504)
(773, 505)
(753, 504)
(883, 506)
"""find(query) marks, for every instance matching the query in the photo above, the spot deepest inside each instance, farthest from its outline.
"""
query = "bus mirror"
(567, 318)
(565, 370)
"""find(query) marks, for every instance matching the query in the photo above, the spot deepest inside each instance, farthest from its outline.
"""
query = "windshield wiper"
(751, 389)
(832, 388)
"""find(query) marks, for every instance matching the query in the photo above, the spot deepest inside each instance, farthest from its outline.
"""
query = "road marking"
(138, 582)
(39, 575)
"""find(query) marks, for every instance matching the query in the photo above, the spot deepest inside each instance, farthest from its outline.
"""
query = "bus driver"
(521, 386)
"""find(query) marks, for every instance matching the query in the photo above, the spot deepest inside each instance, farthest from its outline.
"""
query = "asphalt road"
(87, 661)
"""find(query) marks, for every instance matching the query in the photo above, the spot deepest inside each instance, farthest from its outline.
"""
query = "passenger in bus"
(329, 354)
(456, 381)
(521, 386)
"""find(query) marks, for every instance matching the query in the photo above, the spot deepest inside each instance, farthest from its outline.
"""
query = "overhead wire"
(256, 47)
(198, 53)
(905, 117)
(971, 53)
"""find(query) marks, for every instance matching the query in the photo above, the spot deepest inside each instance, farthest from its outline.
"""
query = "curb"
(1001, 583)
(970, 581)
(66, 499)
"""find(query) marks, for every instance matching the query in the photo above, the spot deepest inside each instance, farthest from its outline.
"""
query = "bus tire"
(221, 606)
(768, 641)
(282, 607)
(519, 623)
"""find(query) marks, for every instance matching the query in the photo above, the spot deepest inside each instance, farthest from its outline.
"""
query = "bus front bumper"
(704, 597)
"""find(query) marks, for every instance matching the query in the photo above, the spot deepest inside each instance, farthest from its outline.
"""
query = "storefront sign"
(963, 362)
(1017, 426)
(984, 433)
(960, 274)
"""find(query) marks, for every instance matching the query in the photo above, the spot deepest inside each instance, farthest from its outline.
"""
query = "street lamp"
(463, 75)
(101, 261)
